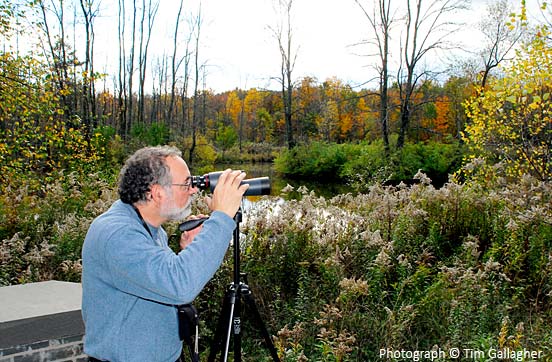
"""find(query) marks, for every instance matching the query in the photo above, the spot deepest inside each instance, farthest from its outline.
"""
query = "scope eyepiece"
(257, 186)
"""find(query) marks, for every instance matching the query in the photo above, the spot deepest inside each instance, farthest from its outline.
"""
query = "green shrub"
(249, 153)
(110, 147)
(436, 160)
(150, 134)
(204, 153)
(365, 164)
(318, 159)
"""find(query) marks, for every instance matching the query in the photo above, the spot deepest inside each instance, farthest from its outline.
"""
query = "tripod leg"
(228, 333)
(222, 332)
(236, 331)
(248, 297)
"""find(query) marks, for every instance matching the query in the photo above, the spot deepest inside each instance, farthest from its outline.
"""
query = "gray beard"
(172, 213)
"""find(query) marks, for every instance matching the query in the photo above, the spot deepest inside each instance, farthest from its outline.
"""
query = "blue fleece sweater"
(132, 281)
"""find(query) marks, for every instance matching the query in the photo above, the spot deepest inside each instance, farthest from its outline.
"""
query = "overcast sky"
(240, 51)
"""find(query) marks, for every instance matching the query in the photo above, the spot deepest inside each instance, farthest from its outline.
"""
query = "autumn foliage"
(37, 134)
(464, 262)
(511, 120)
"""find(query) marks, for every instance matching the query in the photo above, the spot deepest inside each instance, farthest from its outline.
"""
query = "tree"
(57, 51)
(89, 91)
(34, 135)
(10, 14)
(510, 120)
(500, 36)
(252, 104)
(176, 63)
(72, 75)
(197, 68)
(443, 122)
(458, 90)
(234, 109)
(333, 109)
(126, 70)
(137, 55)
(283, 34)
(226, 137)
(149, 11)
(309, 107)
(381, 21)
(426, 30)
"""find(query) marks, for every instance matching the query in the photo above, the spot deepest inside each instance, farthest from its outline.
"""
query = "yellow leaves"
(535, 105)
(253, 101)
(510, 120)
(64, 92)
(234, 107)
(512, 99)
(35, 137)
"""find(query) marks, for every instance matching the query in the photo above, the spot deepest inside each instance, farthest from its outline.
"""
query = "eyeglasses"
(185, 186)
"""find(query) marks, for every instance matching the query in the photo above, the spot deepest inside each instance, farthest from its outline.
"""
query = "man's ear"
(157, 193)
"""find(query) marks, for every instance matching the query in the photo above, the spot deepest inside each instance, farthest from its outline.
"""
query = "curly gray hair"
(144, 168)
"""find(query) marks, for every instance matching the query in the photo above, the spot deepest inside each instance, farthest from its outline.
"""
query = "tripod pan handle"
(191, 224)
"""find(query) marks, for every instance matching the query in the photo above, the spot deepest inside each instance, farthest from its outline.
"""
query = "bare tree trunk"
(122, 97)
(181, 121)
(184, 99)
(426, 30)
(141, 66)
(405, 111)
(151, 11)
(381, 22)
(57, 53)
(196, 89)
(89, 93)
(174, 68)
(162, 103)
(204, 101)
(500, 37)
(130, 72)
(287, 65)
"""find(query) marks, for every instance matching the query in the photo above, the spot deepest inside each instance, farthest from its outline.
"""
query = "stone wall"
(63, 349)
(41, 322)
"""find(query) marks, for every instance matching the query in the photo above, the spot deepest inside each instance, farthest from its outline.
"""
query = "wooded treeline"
(466, 264)
(170, 92)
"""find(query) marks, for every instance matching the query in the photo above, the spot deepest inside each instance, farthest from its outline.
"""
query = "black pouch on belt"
(188, 325)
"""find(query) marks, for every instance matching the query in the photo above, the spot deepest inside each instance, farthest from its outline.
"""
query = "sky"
(323, 34)
(240, 51)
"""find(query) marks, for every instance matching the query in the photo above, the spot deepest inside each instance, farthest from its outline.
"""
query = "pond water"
(278, 182)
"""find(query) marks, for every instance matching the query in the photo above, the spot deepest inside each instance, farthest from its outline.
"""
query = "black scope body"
(257, 186)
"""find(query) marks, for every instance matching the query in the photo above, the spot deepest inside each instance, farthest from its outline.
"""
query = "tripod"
(229, 323)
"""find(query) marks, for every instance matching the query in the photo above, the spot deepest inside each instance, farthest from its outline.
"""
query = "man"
(131, 279)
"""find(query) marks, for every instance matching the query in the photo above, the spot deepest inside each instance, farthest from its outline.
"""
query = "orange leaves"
(443, 121)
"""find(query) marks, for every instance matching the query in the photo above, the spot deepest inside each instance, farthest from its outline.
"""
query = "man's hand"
(228, 193)
(188, 236)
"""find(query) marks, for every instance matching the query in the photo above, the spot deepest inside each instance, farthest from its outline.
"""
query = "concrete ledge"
(39, 299)
(41, 322)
